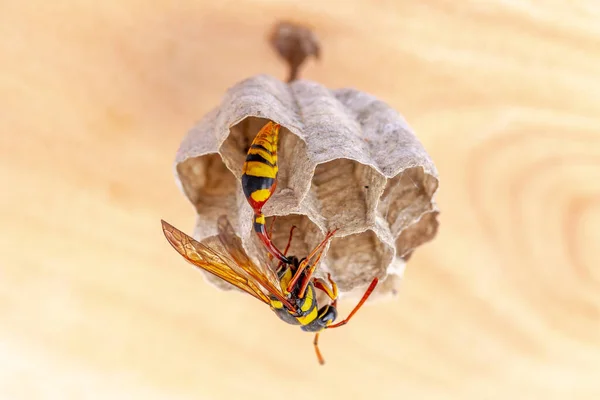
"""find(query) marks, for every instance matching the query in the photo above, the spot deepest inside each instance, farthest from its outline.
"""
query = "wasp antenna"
(359, 305)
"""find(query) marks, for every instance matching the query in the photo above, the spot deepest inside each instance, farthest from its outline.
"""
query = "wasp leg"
(316, 344)
(287, 247)
(360, 303)
(309, 274)
(322, 285)
(259, 228)
(319, 249)
(270, 236)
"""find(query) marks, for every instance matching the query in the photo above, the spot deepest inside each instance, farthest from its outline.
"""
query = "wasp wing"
(213, 260)
(262, 274)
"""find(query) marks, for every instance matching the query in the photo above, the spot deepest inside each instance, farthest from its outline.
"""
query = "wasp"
(290, 289)
(224, 257)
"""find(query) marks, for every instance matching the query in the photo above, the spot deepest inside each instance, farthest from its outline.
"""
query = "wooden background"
(94, 100)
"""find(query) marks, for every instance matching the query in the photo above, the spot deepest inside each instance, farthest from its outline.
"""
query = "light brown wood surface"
(94, 100)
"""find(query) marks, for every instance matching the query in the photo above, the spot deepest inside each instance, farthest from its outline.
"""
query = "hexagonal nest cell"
(346, 161)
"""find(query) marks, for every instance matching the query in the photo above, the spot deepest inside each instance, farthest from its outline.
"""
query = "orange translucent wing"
(213, 260)
(261, 274)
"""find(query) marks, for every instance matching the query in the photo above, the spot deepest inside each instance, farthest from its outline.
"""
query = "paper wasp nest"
(346, 160)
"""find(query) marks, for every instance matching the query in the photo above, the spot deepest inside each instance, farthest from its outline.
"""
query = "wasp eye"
(329, 315)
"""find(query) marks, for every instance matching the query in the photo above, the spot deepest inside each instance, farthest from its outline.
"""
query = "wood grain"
(94, 304)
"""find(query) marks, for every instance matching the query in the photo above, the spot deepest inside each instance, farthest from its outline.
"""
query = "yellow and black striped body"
(309, 316)
(259, 173)
(259, 179)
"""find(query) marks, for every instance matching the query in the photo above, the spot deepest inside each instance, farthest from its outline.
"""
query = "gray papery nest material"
(347, 160)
